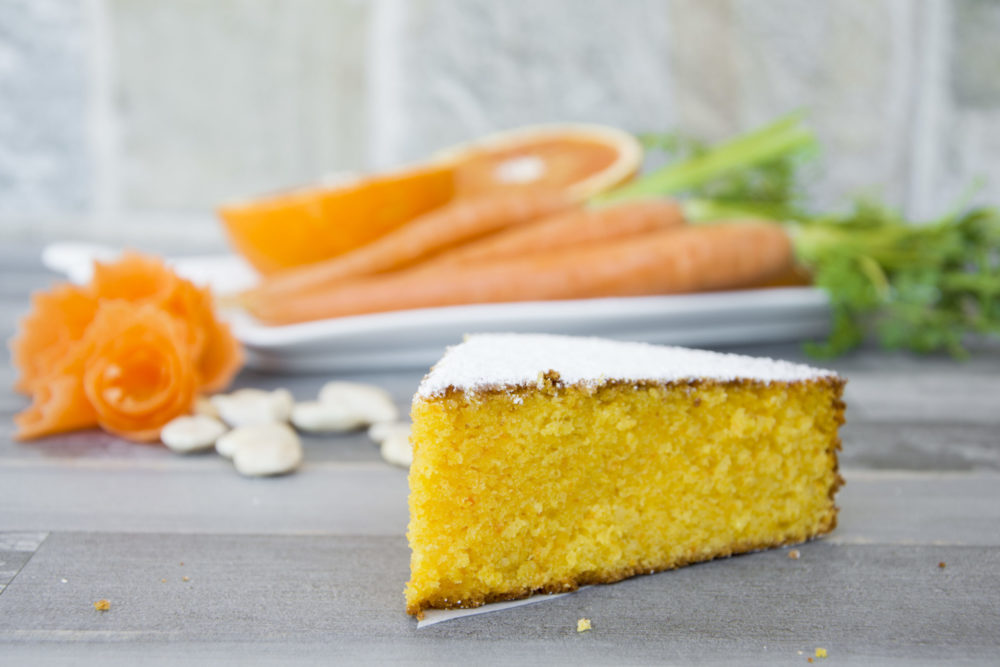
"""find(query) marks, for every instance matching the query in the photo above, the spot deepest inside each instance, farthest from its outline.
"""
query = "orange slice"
(312, 224)
(582, 160)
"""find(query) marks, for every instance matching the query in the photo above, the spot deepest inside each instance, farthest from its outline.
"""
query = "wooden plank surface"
(310, 567)
(857, 601)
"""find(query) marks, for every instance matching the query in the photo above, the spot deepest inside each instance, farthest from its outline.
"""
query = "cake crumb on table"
(583, 625)
(102, 605)
(942, 565)
(185, 578)
(821, 653)
(794, 554)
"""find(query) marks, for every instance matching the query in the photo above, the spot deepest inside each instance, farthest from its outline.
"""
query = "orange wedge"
(317, 223)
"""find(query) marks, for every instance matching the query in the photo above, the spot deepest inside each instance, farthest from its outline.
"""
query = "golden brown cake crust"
(551, 381)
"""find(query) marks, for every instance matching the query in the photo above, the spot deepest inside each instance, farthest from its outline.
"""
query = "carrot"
(569, 228)
(128, 352)
(58, 319)
(432, 232)
(142, 371)
(686, 259)
(59, 405)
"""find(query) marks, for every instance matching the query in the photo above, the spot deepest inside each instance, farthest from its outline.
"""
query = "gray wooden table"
(202, 564)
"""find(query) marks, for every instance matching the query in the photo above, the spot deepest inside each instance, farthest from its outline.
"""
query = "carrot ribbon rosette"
(56, 323)
(142, 374)
(60, 405)
(129, 352)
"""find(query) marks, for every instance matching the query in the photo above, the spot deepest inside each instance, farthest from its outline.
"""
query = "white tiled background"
(127, 120)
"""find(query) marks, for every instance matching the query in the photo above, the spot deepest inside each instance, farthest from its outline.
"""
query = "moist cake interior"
(542, 463)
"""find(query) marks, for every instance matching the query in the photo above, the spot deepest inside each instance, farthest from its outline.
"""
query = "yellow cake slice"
(543, 463)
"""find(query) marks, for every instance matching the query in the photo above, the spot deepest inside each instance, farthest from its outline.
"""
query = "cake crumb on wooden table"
(102, 605)
(794, 554)
(583, 625)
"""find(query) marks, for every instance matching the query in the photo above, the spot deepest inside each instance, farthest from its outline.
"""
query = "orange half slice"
(581, 159)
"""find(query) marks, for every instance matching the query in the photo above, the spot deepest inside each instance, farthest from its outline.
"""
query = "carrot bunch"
(128, 352)
(533, 245)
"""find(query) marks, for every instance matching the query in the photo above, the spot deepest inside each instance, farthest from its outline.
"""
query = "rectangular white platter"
(417, 338)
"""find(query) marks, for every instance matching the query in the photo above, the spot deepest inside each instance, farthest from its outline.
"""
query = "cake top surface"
(491, 361)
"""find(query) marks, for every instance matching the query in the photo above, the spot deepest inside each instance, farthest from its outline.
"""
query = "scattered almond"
(248, 407)
(204, 406)
(197, 433)
(267, 449)
(397, 450)
(319, 417)
(368, 403)
(381, 431)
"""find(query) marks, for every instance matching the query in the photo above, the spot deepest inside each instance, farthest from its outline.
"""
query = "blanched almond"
(397, 450)
(196, 433)
(267, 449)
(246, 407)
(367, 403)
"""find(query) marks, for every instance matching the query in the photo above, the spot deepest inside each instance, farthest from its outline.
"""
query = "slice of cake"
(543, 463)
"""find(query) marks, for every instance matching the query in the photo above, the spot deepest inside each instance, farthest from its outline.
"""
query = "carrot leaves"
(924, 287)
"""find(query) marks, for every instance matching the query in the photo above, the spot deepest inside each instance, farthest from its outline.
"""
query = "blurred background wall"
(128, 120)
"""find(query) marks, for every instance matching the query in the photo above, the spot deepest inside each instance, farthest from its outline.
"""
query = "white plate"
(417, 338)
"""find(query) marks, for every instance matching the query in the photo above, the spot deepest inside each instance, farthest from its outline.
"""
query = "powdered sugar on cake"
(491, 361)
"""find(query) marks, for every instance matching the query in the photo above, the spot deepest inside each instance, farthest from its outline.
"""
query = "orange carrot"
(141, 373)
(570, 228)
(58, 319)
(438, 230)
(131, 374)
(59, 405)
(127, 352)
(685, 259)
